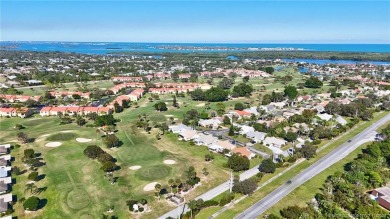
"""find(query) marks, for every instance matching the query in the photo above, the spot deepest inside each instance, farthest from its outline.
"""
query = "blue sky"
(197, 21)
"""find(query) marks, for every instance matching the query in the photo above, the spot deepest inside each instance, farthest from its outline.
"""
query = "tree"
(93, 151)
(171, 183)
(33, 176)
(161, 106)
(308, 151)
(80, 121)
(238, 163)
(18, 126)
(204, 115)
(269, 70)
(198, 95)
(291, 136)
(157, 187)
(22, 137)
(226, 120)
(117, 108)
(245, 187)
(105, 157)
(242, 90)
(30, 187)
(174, 101)
(231, 131)
(192, 205)
(313, 82)
(267, 166)
(29, 153)
(226, 83)
(220, 108)
(245, 79)
(216, 94)
(125, 104)
(111, 141)
(105, 120)
(239, 106)
(108, 166)
(291, 92)
(31, 204)
(333, 108)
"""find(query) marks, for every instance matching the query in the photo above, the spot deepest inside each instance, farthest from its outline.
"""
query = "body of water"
(108, 47)
(327, 61)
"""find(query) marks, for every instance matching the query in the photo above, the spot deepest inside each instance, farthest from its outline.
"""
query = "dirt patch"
(169, 162)
(137, 167)
(83, 140)
(53, 144)
(150, 186)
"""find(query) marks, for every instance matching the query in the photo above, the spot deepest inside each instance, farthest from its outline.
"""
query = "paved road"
(211, 193)
(336, 155)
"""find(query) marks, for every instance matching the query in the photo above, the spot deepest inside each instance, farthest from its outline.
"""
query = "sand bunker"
(83, 140)
(169, 115)
(44, 135)
(135, 167)
(200, 104)
(150, 186)
(53, 144)
(66, 131)
(169, 162)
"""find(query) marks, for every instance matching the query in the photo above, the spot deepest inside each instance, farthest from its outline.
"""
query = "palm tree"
(157, 187)
(192, 205)
(178, 183)
(171, 183)
(30, 187)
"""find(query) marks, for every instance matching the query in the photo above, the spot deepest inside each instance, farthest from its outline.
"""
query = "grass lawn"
(75, 187)
(262, 148)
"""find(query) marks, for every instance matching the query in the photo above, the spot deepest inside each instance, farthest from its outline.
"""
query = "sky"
(196, 21)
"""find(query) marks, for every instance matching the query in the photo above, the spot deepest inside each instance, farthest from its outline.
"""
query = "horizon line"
(204, 42)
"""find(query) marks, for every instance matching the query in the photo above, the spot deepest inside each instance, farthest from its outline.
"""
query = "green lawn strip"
(258, 195)
(304, 193)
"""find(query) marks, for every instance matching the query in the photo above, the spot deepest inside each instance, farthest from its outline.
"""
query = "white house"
(178, 129)
(276, 142)
(256, 136)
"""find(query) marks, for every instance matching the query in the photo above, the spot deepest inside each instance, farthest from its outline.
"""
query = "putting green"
(77, 199)
(153, 172)
(63, 136)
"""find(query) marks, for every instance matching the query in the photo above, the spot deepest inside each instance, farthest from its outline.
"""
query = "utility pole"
(231, 182)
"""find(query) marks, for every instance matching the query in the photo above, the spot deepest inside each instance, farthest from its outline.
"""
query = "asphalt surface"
(210, 194)
(328, 160)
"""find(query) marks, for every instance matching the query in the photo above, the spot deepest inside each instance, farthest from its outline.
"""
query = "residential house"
(244, 129)
(213, 123)
(5, 184)
(4, 148)
(256, 136)
(243, 151)
(7, 112)
(206, 140)
(45, 111)
(220, 145)
(273, 141)
(188, 134)
(178, 129)
(5, 199)
(382, 195)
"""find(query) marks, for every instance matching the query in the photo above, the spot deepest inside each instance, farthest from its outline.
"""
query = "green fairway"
(62, 136)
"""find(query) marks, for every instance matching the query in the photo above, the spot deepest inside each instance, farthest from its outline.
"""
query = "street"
(333, 157)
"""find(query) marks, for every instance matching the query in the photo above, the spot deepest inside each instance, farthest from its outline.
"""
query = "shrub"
(209, 203)
(140, 209)
(130, 203)
(93, 151)
(143, 201)
(227, 198)
(33, 176)
(31, 203)
(316, 142)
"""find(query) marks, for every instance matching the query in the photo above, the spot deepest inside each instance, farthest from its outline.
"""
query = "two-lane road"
(336, 155)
